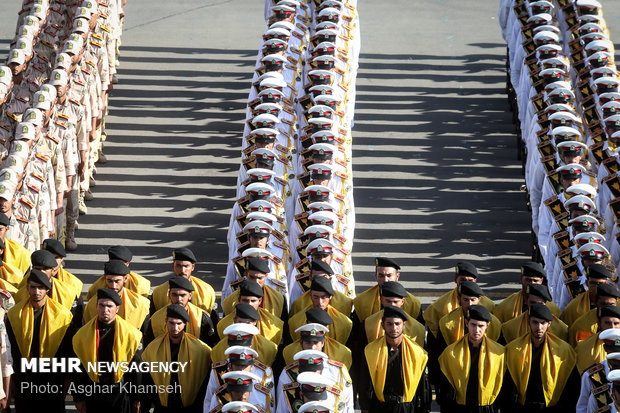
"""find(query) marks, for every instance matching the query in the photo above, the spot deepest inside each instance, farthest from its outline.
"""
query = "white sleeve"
(586, 389)
(5, 352)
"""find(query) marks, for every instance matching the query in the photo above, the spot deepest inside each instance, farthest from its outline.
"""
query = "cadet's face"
(175, 327)
(106, 310)
(609, 322)
(322, 257)
(320, 299)
(477, 329)
(312, 345)
(61, 90)
(179, 296)
(183, 268)
(239, 396)
(16, 69)
(394, 301)
(320, 181)
(570, 159)
(603, 301)
(393, 327)
(36, 292)
(465, 301)
(115, 282)
(575, 213)
(526, 280)
(566, 181)
(538, 327)
(532, 299)
(460, 278)
(383, 274)
(257, 277)
(258, 242)
(239, 367)
(253, 301)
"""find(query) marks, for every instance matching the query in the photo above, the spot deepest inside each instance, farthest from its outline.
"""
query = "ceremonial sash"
(126, 342)
(556, 364)
(203, 295)
(332, 348)
(70, 281)
(444, 305)
(339, 331)
(191, 350)
(134, 308)
(452, 326)
(374, 329)
(516, 327)
(339, 301)
(269, 325)
(273, 301)
(589, 352)
(455, 363)
(55, 320)
(135, 282)
(158, 321)
(414, 360)
(368, 303)
(576, 308)
(16, 255)
(11, 274)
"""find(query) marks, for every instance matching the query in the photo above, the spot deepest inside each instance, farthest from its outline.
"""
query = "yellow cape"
(584, 327)
(577, 307)
(455, 363)
(414, 360)
(516, 327)
(512, 306)
(339, 301)
(368, 303)
(55, 320)
(135, 282)
(589, 352)
(444, 305)
(203, 295)
(11, 275)
(332, 348)
(158, 321)
(134, 308)
(273, 301)
(265, 348)
(269, 325)
(17, 257)
(374, 330)
(61, 292)
(191, 350)
(556, 364)
(452, 326)
(339, 331)
(126, 342)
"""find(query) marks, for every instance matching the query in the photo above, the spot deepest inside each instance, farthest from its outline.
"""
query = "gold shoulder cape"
(158, 321)
(374, 330)
(134, 308)
(203, 295)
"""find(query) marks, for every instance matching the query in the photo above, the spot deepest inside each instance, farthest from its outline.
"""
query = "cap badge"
(239, 337)
(313, 332)
(239, 381)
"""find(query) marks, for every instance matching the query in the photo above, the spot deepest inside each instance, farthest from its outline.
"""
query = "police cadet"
(135, 282)
(268, 325)
(273, 301)
(107, 338)
(595, 348)
(39, 327)
(240, 358)
(594, 392)
(183, 265)
(190, 383)
(134, 308)
(534, 382)
(534, 294)
(596, 274)
(241, 386)
(332, 371)
(200, 324)
(392, 376)
(245, 333)
(587, 325)
(473, 368)
(514, 304)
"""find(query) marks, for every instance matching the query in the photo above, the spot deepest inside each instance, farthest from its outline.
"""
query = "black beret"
(539, 290)
(2, 246)
(54, 246)
(177, 311)
(393, 289)
(478, 312)
(4, 220)
(258, 264)
(243, 310)
(598, 271)
(115, 267)
(319, 316)
(533, 269)
(466, 268)
(118, 252)
(607, 290)
(321, 266)
(322, 284)
(250, 289)
(394, 312)
(182, 283)
(609, 311)
(41, 278)
(540, 311)
(43, 258)
(386, 262)
(108, 293)
(183, 254)
(470, 288)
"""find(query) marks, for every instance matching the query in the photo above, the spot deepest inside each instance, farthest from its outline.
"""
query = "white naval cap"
(580, 202)
(589, 237)
(327, 218)
(316, 407)
(321, 246)
(265, 120)
(256, 253)
(593, 250)
(239, 407)
(260, 205)
(581, 189)
(240, 330)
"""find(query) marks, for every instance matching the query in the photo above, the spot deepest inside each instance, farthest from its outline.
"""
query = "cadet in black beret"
(109, 294)
(598, 271)
(43, 260)
(538, 290)
(182, 283)
(55, 247)
(115, 267)
(39, 277)
(478, 312)
(470, 289)
(183, 254)
(386, 262)
(258, 264)
(466, 269)
(394, 312)
(541, 312)
(533, 269)
(119, 252)
(608, 311)
(596, 275)
(322, 284)
(607, 290)
(249, 288)
(321, 266)
(318, 316)
(246, 311)
(177, 311)
(393, 289)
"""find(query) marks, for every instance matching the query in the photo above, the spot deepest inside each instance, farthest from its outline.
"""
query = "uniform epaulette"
(238, 280)
(96, 43)
(26, 202)
(105, 28)
(262, 389)
(220, 389)
(216, 409)
(279, 283)
(21, 218)
(98, 36)
(275, 259)
(12, 116)
(279, 180)
(343, 280)
(335, 363)
(292, 365)
(74, 101)
(333, 390)
(219, 364)
(32, 186)
(42, 157)
(290, 386)
(62, 123)
(38, 176)
(260, 365)
(302, 276)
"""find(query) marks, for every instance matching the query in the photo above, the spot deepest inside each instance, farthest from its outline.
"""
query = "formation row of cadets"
(53, 98)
